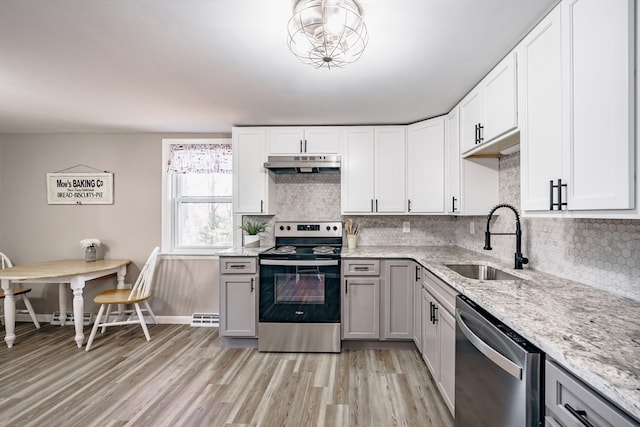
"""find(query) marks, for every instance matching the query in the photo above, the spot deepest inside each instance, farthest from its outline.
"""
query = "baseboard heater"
(205, 320)
(69, 319)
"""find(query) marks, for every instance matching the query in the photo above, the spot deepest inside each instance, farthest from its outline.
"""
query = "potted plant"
(252, 229)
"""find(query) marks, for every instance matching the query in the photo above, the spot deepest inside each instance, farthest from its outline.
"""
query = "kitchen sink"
(481, 272)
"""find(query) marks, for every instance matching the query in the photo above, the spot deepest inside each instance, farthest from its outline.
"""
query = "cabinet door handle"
(346, 287)
(371, 205)
(301, 146)
(305, 145)
(252, 285)
(453, 204)
(560, 203)
(376, 205)
(417, 273)
(409, 205)
(261, 206)
(480, 137)
(431, 312)
(476, 137)
(580, 415)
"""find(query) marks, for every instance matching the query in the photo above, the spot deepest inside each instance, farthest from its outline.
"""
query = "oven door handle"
(305, 263)
(484, 348)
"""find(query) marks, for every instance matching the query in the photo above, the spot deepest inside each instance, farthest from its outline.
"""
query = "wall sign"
(80, 188)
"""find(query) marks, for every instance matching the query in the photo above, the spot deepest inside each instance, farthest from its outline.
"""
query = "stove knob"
(335, 228)
(282, 227)
(288, 227)
(328, 228)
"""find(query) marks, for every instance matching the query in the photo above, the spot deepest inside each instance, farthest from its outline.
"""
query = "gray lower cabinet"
(570, 403)
(238, 297)
(361, 299)
(439, 334)
(397, 299)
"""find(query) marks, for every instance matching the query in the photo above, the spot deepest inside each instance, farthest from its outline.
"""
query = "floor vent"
(205, 320)
(87, 318)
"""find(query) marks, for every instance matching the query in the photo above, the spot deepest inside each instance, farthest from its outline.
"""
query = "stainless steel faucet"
(519, 258)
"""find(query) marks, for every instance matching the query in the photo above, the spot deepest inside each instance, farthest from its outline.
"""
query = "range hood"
(303, 164)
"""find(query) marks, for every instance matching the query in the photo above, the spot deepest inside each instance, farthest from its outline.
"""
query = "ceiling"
(206, 65)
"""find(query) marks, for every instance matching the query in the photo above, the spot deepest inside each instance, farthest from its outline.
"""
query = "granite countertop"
(242, 251)
(592, 333)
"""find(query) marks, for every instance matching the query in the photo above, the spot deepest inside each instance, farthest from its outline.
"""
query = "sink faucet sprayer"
(519, 259)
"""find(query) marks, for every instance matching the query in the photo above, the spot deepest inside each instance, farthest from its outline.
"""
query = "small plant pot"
(251, 241)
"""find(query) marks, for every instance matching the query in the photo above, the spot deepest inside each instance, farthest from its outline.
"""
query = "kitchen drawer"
(237, 265)
(563, 391)
(439, 289)
(361, 267)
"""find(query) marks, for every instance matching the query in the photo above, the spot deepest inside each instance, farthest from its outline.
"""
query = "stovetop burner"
(323, 250)
(284, 250)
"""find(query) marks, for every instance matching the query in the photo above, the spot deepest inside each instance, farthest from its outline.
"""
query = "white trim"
(167, 206)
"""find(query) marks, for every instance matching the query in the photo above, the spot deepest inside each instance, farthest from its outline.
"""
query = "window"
(197, 195)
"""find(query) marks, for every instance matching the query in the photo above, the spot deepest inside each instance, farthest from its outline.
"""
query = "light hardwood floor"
(184, 377)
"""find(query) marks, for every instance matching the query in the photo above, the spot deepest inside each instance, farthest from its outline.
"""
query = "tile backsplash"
(602, 253)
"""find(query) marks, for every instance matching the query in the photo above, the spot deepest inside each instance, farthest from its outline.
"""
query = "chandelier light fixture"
(327, 33)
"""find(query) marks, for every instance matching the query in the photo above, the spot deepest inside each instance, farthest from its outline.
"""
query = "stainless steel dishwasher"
(499, 374)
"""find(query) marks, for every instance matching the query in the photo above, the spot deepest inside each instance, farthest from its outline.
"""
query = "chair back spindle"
(142, 286)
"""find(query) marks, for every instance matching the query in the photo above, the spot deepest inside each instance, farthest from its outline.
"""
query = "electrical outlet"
(406, 227)
(472, 227)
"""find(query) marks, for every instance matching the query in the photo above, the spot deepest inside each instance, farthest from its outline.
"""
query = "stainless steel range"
(299, 309)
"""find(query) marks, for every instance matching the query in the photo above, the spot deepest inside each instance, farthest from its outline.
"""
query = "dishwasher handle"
(497, 358)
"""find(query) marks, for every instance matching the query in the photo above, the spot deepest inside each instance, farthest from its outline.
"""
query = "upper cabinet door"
(252, 184)
(286, 140)
(426, 166)
(540, 107)
(390, 160)
(471, 119)
(358, 170)
(452, 145)
(599, 59)
(321, 140)
(500, 99)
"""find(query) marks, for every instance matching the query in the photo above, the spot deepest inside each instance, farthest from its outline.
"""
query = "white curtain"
(199, 158)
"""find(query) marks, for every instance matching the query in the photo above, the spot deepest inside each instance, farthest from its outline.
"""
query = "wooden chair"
(139, 293)
(19, 293)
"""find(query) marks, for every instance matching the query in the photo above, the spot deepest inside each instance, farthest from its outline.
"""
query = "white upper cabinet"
(471, 119)
(500, 99)
(426, 166)
(357, 170)
(253, 186)
(373, 170)
(490, 110)
(305, 140)
(577, 95)
(390, 169)
(452, 145)
(540, 107)
(599, 89)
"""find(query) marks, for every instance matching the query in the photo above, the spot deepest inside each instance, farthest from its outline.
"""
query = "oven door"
(306, 291)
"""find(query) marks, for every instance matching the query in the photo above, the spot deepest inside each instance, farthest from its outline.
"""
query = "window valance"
(199, 158)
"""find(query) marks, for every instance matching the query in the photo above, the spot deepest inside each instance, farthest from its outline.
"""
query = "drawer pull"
(580, 415)
(365, 268)
(236, 266)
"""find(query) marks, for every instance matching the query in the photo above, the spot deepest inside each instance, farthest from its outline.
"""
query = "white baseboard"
(165, 320)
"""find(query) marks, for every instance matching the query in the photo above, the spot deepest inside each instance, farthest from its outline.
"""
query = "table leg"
(121, 285)
(78, 308)
(62, 301)
(9, 313)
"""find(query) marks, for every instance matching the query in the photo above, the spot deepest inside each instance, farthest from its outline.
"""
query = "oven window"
(295, 288)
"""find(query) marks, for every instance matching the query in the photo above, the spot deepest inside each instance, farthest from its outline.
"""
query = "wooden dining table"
(73, 272)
